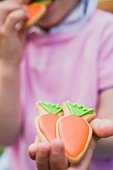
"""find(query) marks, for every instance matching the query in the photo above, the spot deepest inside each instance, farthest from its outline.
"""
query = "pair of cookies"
(68, 122)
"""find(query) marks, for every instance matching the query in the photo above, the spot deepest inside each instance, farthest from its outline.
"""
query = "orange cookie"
(36, 10)
(45, 123)
(74, 130)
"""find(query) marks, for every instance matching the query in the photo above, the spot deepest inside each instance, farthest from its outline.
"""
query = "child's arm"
(105, 110)
(11, 47)
(10, 113)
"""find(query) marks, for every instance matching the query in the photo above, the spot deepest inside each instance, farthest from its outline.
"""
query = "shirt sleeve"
(106, 59)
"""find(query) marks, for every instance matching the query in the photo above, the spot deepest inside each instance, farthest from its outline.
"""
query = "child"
(69, 56)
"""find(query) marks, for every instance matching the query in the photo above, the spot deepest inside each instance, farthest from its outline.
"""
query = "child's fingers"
(21, 1)
(14, 18)
(33, 148)
(58, 160)
(26, 1)
(102, 128)
(6, 7)
(42, 156)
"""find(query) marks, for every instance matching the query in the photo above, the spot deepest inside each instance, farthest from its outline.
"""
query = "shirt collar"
(74, 21)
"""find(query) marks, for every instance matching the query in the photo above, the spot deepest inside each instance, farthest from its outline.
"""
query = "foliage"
(1, 150)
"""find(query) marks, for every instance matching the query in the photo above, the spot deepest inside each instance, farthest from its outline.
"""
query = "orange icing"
(74, 133)
(33, 9)
(47, 125)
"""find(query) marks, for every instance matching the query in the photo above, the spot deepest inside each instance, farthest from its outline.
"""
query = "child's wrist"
(6, 67)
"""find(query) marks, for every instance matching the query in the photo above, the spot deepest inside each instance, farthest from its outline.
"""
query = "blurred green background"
(1, 150)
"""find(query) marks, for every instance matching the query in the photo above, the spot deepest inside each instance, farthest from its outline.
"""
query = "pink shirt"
(64, 66)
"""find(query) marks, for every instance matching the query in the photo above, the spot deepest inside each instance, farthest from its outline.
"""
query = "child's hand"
(57, 159)
(11, 38)
(52, 157)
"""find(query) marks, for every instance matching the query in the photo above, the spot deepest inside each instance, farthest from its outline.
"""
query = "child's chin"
(47, 23)
(43, 26)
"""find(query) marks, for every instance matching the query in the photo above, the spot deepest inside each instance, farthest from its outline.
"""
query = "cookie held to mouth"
(36, 11)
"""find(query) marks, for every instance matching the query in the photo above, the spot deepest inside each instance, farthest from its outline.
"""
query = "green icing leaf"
(37, 1)
(79, 110)
(51, 108)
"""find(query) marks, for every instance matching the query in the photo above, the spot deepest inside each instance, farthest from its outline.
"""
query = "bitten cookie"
(45, 123)
(36, 10)
(74, 130)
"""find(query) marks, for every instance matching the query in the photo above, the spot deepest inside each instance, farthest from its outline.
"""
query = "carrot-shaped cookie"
(45, 123)
(74, 130)
(36, 10)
